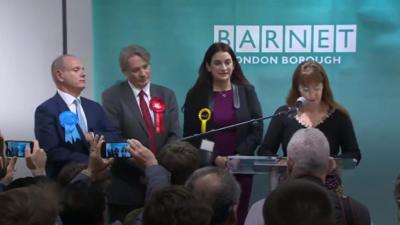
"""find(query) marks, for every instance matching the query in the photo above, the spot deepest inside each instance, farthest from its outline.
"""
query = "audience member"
(83, 204)
(156, 176)
(181, 159)
(33, 205)
(7, 168)
(298, 202)
(98, 168)
(69, 171)
(308, 157)
(218, 188)
(175, 205)
(397, 196)
(35, 161)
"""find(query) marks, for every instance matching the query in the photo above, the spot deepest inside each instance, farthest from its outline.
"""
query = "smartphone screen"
(17, 148)
(115, 150)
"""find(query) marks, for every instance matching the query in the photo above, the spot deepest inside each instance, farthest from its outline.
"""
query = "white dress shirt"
(147, 97)
(69, 100)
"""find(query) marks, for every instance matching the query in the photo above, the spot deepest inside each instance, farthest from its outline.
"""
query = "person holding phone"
(64, 122)
(35, 159)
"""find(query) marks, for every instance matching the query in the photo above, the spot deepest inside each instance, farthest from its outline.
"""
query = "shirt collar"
(68, 99)
(136, 90)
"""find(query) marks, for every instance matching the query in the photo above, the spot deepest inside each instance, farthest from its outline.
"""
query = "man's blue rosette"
(69, 120)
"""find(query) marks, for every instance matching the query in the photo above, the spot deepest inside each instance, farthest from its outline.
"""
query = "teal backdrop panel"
(357, 41)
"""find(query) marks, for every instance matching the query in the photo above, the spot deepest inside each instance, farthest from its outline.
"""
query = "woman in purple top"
(222, 88)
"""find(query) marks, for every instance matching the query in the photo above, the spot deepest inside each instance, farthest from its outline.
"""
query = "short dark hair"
(28, 181)
(397, 191)
(83, 203)
(68, 172)
(176, 205)
(300, 202)
(181, 159)
(36, 204)
(218, 188)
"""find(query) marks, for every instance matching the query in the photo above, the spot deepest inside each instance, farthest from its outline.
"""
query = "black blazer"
(247, 107)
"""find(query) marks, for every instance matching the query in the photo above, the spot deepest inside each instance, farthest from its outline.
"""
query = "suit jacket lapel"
(61, 105)
(130, 100)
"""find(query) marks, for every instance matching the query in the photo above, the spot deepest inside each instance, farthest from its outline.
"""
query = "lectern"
(273, 167)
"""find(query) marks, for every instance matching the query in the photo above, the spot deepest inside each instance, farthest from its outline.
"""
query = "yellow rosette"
(204, 117)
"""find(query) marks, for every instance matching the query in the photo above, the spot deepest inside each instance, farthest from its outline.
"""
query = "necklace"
(308, 122)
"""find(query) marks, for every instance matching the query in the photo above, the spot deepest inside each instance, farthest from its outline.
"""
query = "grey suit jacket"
(122, 109)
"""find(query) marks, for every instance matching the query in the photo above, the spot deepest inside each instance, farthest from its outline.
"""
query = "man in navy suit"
(65, 122)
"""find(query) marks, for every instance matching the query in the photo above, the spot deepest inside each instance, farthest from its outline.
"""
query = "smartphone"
(115, 150)
(17, 148)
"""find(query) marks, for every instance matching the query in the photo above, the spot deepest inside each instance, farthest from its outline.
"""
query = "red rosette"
(158, 106)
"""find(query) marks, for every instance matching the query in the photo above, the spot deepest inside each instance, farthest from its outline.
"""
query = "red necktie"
(149, 122)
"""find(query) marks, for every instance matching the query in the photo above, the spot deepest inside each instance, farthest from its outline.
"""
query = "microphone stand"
(289, 111)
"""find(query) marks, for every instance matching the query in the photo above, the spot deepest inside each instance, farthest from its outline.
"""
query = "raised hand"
(36, 159)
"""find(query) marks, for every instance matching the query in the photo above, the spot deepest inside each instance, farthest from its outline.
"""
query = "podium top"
(264, 164)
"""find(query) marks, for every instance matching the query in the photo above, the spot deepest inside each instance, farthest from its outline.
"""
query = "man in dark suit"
(65, 121)
(143, 111)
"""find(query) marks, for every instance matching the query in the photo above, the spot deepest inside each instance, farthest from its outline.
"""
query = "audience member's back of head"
(397, 191)
(175, 205)
(28, 181)
(31, 205)
(298, 202)
(83, 204)
(218, 188)
(68, 172)
(181, 159)
(308, 152)
(397, 195)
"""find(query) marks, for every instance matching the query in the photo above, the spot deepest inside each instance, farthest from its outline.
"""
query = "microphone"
(300, 102)
(297, 106)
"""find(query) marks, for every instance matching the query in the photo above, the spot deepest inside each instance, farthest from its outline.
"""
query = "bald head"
(308, 153)
(58, 63)
(68, 74)
(218, 188)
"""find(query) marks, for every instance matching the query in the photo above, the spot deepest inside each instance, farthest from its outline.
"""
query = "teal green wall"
(366, 82)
